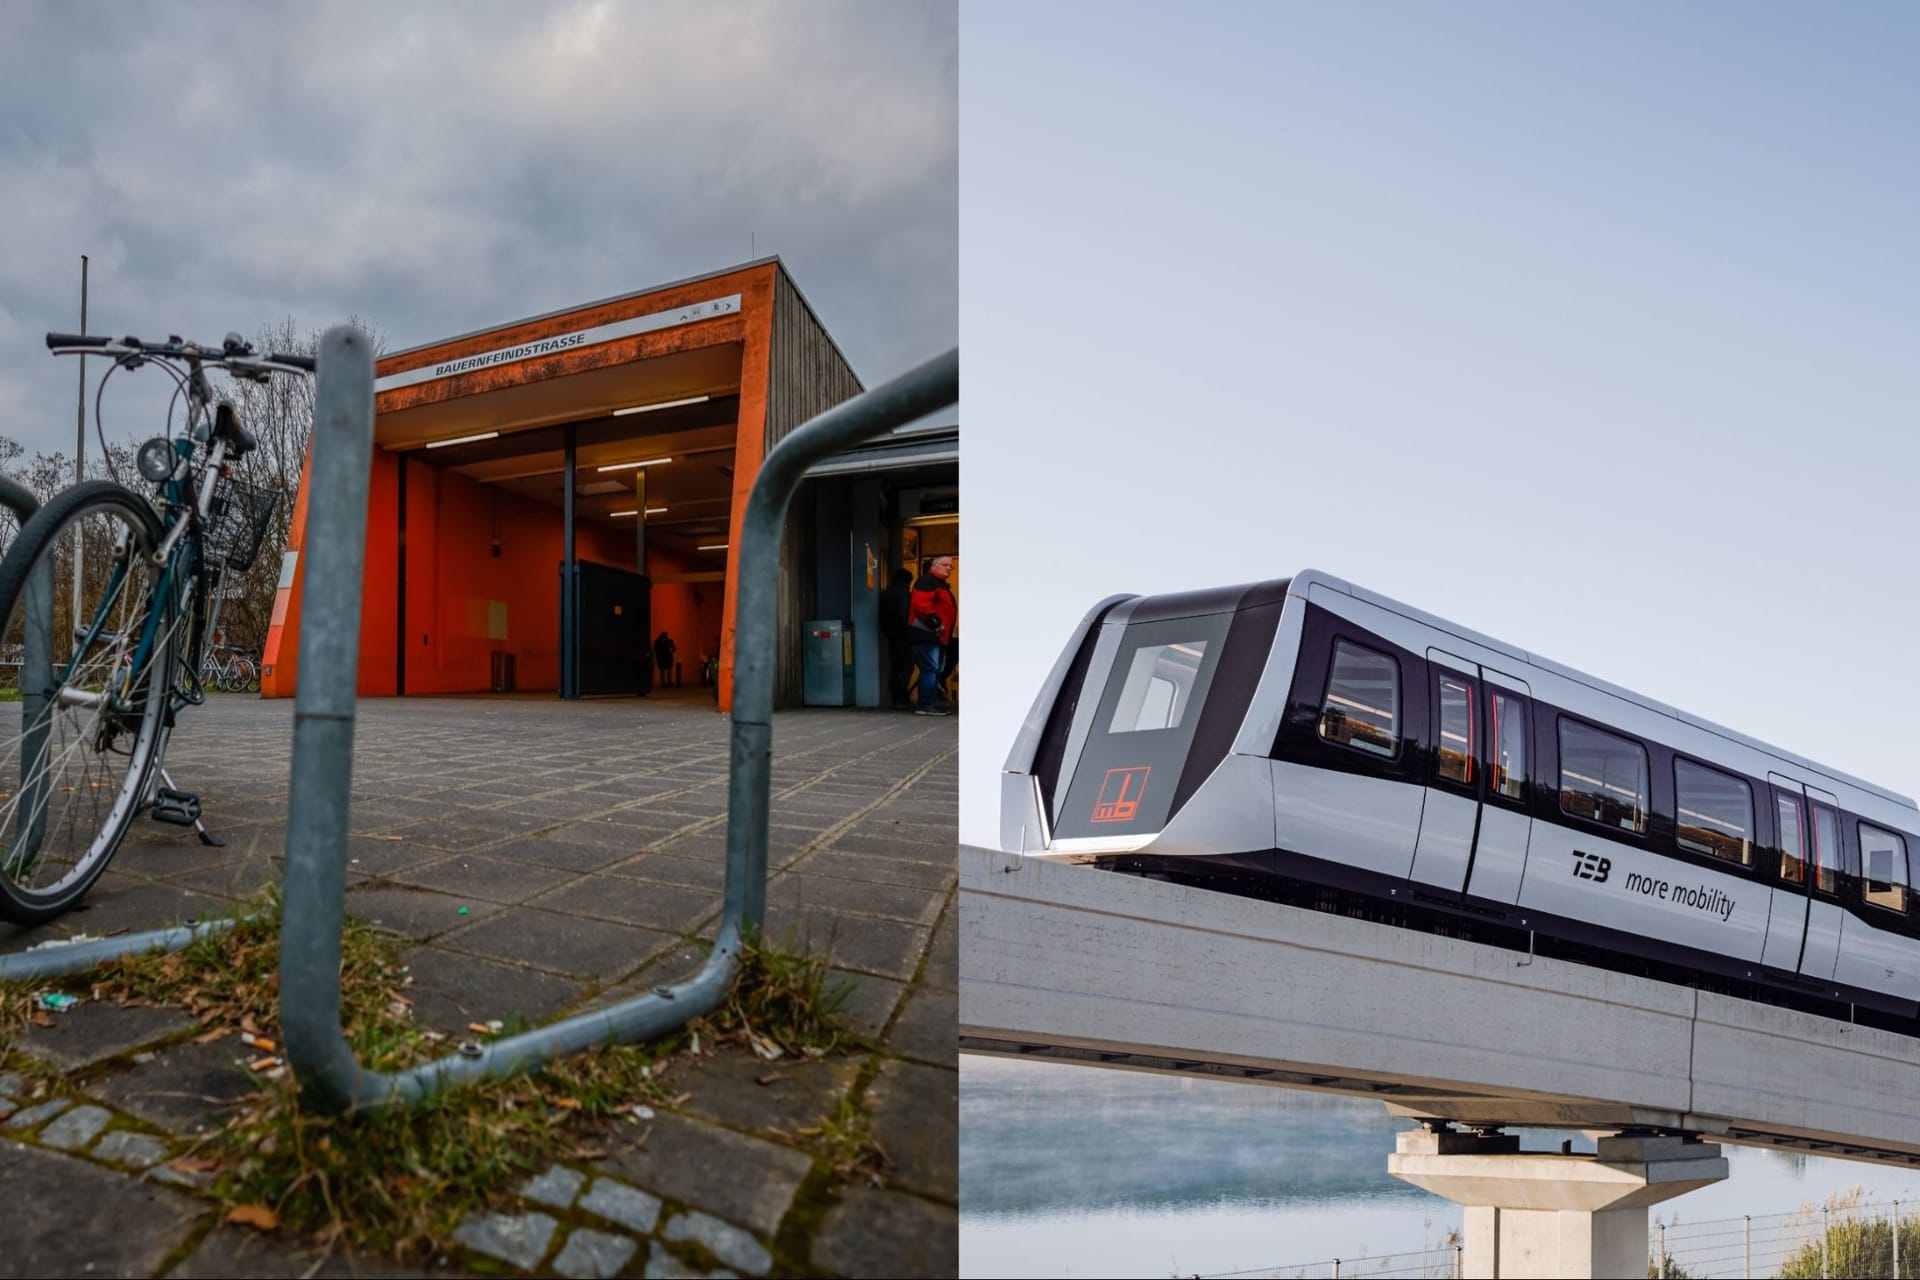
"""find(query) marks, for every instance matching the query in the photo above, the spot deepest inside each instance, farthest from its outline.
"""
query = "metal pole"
(1746, 1234)
(640, 521)
(35, 681)
(1459, 1263)
(1660, 1269)
(1896, 1240)
(80, 445)
(1826, 1236)
(569, 586)
(78, 957)
(317, 810)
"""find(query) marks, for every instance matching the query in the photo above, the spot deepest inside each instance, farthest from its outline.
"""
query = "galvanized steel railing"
(315, 883)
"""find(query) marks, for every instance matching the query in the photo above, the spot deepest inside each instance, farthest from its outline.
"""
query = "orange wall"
(454, 579)
(750, 443)
(690, 612)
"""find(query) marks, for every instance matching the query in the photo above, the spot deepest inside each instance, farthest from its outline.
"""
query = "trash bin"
(502, 671)
(827, 667)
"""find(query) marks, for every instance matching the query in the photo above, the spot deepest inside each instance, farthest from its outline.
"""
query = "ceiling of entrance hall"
(528, 456)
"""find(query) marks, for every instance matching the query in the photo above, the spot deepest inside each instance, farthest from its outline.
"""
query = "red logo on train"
(1120, 793)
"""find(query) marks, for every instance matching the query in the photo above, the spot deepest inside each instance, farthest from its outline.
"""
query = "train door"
(1473, 824)
(1803, 927)
(1450, 815)
(1505, 825)
(1824, 913)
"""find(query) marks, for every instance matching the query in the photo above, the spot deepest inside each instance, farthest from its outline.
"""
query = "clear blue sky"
(1595, 328)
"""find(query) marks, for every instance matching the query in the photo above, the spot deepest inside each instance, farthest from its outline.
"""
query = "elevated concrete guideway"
(1080, 965)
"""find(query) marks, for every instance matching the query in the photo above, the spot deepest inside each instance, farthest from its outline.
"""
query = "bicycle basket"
(238, 522)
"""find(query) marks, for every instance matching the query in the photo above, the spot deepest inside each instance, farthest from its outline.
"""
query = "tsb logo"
(1591, 866)
(1120, 793)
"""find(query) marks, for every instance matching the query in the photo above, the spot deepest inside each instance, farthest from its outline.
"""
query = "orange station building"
(550, 495)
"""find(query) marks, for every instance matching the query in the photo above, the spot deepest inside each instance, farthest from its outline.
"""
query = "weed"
(844, 1141)
(786, 998)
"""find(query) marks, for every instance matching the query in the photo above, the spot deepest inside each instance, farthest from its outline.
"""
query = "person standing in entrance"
(934, 613)
(663, 647)
(896, 604)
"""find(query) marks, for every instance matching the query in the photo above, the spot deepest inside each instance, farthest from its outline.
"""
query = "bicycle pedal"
(179, 808)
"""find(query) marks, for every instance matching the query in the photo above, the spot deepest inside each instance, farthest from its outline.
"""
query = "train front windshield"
(1142, 728)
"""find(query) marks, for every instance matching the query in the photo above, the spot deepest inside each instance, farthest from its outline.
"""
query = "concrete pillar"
(1554, 1216)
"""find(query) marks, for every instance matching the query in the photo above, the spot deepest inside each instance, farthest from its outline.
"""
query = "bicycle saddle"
(226, 425)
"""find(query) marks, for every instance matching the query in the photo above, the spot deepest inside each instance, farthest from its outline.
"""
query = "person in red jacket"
(930, 618)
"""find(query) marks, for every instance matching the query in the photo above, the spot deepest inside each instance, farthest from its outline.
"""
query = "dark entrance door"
(613, 629)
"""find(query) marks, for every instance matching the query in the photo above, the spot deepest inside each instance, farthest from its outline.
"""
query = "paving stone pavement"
(540, 858)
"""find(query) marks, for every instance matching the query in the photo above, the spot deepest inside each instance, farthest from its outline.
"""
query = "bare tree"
(279, 413)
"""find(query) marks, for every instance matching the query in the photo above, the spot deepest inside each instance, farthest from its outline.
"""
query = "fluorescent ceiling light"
(441, 444)
(664, 404)
(623, 513)
(656, 511)
(714, 546)
(628, 466)
(652, 511)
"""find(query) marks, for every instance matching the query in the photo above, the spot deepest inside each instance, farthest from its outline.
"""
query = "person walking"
(933, 616)
(896, 604)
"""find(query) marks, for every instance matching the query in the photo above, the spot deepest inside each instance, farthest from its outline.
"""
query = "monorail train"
(1310, 740)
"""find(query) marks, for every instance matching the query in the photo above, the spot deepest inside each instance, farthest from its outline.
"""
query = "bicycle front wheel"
(93, 618)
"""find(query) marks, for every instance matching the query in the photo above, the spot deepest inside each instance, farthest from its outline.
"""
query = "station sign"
(631, 327)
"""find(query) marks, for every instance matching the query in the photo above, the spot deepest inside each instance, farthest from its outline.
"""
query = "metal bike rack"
(67, 957)
(313, 900)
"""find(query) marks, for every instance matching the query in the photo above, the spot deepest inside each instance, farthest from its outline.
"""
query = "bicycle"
(229, 669)
(104, 593)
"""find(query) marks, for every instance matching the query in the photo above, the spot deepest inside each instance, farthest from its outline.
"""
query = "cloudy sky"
(437, 168)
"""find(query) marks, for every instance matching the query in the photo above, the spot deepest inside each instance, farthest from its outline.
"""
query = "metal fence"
(1422, 1264)
(1844, 1238)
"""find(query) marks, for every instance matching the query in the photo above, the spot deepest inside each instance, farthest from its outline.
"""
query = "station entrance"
(554, 502)
(601, 533)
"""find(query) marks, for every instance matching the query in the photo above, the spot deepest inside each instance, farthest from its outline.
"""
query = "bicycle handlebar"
(240, 358)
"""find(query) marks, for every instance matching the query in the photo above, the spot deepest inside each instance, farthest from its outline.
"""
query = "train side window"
(1714, 812)
(1793, 853)
(1362, 705)
(1453, 761)
(1507, 746)
(1883, 856)
(1826, 849)
(1603, 778)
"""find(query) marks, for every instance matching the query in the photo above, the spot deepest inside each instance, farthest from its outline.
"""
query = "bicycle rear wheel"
(253, 674)
(90, 700)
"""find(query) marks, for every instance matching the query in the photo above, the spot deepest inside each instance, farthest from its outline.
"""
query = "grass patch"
(787, 999)
(845, 1142)
(399, 1179)
(1854, 1245)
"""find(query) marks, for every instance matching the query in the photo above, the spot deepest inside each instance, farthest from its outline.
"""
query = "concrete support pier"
(1554, 1216)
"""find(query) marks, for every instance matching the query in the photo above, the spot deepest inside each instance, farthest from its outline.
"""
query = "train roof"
(1309, 577)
